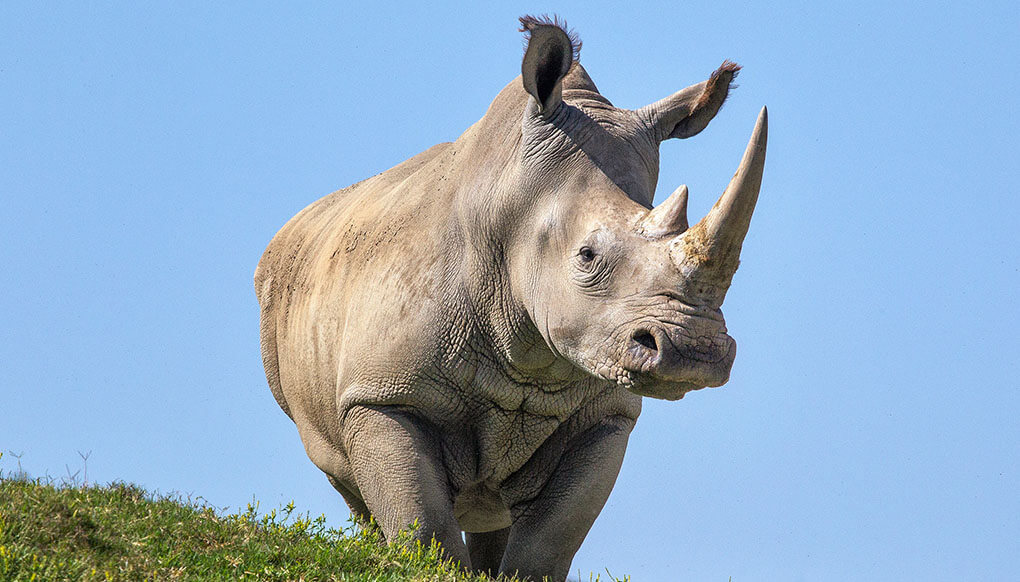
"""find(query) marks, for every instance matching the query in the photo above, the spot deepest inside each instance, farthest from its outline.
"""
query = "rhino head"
(622, 291)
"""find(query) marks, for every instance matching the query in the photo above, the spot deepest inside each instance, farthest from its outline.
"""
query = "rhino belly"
(479, 509)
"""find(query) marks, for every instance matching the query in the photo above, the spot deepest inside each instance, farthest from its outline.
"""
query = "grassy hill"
(51, 531)
(119, 532)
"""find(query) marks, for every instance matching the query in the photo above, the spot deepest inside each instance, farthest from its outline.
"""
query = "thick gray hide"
(464, 339)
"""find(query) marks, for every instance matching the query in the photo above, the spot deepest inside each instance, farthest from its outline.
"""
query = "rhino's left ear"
(687, 112)
(551, 50)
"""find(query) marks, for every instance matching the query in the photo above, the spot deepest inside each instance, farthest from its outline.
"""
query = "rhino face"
(621, 314)
(625, 293)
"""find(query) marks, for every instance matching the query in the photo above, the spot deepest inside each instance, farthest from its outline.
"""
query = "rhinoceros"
(463, 341)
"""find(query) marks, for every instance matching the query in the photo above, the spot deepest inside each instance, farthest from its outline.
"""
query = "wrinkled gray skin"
(464, 340)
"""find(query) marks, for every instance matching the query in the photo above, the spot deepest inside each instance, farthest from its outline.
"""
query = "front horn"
(709, 252)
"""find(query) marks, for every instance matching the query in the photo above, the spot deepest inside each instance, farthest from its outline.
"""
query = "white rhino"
(463, 341)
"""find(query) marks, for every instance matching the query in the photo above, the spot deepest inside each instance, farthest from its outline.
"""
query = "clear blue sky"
(870, 427)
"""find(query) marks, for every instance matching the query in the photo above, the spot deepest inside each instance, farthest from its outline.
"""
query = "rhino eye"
(587, 254)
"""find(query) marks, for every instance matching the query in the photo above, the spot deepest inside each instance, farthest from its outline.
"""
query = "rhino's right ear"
(688, 111)
(550, 53)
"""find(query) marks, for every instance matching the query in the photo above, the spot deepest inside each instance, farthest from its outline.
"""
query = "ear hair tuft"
(529, 22)
(727, 68)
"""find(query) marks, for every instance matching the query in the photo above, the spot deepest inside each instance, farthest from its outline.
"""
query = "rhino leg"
(354, 502)
(548, 530)
(399, 472)
(486, 550)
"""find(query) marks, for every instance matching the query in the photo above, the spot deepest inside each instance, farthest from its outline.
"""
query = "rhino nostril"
(646, 339)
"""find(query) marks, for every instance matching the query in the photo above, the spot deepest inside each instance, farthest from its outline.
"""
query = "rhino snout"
(664, 356)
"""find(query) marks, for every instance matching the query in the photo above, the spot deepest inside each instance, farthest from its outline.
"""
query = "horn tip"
(761, 131)
(683, 193)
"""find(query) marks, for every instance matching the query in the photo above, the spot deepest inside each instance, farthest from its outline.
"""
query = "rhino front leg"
(548, 530)
(356, 504)
(400, 474)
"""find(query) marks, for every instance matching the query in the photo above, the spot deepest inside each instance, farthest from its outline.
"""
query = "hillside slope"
(120, 532)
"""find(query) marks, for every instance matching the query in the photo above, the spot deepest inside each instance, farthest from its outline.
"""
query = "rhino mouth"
(667, 361)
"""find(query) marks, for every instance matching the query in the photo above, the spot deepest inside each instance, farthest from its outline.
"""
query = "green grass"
(51, 531)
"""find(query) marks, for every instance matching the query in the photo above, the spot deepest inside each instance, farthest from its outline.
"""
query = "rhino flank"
(463, 341)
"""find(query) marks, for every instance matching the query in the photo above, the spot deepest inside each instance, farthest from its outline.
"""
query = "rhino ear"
(550, 53)
(687, 112)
